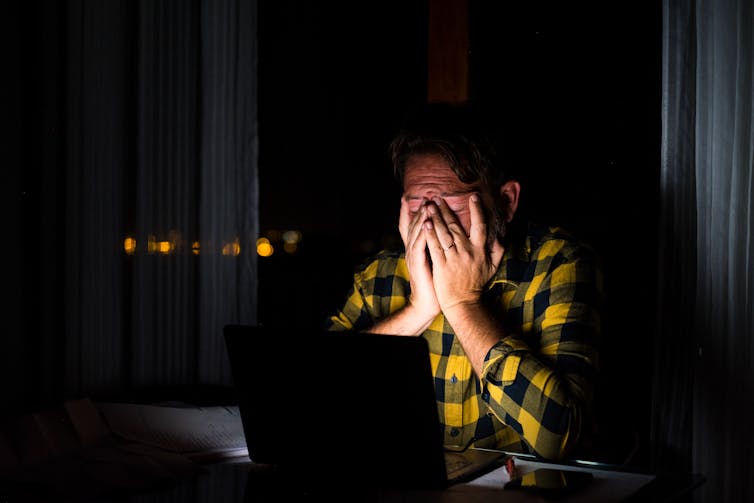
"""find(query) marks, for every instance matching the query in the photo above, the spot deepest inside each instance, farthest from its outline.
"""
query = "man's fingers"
(419, 244)
(448, 230)
(415, 226)
(478, 229)
(433, 242)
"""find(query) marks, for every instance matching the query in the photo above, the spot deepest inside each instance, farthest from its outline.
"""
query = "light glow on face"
(457, 202)
(429, 176)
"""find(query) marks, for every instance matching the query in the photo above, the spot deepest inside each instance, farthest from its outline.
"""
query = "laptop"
(353, 407)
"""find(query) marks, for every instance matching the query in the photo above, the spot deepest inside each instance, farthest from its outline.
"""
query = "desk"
(240, 481)
(608, 485)
(91, 464)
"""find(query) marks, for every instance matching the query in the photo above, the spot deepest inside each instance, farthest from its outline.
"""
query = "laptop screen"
(349, 406)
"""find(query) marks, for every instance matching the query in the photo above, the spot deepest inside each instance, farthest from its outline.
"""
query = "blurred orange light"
(151, 243)
(264, 248)
(129, 244)
(233, 248)
(164, 247)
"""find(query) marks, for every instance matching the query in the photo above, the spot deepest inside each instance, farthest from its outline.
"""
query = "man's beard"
(496, 227)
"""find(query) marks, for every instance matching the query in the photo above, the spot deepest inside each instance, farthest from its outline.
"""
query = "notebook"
(353, 407)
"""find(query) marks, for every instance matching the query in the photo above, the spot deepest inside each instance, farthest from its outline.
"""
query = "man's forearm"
(477, 331)
(403, 322)
(549, 419)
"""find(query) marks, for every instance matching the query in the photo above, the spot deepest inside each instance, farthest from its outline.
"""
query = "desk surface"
(241, 481)
(608, 485)
(50, 461)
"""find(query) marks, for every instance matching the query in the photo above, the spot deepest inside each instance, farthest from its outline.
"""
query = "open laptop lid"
(338, 405)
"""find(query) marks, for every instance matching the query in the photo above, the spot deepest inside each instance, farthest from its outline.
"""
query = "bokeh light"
(264, 247)
(129, 244)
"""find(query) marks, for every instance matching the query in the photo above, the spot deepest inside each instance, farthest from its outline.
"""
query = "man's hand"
(462, 265)
(423, 298)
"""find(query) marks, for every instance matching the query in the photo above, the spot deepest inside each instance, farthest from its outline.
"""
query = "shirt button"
(486, 396)
(454, 432)
(454, 379)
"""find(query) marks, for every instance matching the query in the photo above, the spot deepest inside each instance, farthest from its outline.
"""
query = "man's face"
(429, 176)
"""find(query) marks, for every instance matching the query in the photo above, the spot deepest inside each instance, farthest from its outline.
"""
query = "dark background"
(576, 88)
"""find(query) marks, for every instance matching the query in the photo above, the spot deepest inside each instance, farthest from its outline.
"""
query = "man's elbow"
(555, 446)
(551, 451)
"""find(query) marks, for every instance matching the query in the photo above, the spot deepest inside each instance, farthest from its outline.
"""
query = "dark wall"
(30, 187)
(11, 197)
(577, 89)
(579, 84)
(333, 84)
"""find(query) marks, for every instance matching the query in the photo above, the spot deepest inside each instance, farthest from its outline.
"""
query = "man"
(511, 310)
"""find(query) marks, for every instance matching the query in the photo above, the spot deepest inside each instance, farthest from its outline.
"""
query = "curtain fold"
(724, 386)
(674, 348)
(97, 156)
(705, 357)
(228, 215)
(164, 211)
(161, 210)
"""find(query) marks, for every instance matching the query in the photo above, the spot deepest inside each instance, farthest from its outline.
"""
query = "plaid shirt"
(538, 380)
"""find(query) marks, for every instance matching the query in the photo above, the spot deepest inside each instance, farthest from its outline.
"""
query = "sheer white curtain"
(161, 212)
(704, 382)
(195, 187)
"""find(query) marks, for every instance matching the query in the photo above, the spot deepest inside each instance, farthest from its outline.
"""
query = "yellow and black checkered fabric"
(538, 380)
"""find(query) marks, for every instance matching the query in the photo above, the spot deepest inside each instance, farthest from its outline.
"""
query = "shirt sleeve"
(353, 315)
(358, 311)
(380, 287)
(543, 390)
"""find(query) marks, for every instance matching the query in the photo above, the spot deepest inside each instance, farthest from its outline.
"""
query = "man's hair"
(458, 133)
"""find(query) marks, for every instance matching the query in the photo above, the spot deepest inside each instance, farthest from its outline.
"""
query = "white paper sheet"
(199, 433)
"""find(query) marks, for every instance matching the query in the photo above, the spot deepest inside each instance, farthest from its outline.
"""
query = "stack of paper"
(199, 433)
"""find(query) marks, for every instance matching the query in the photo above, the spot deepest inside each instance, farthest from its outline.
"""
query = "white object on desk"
(199, 433)
(607, 485)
